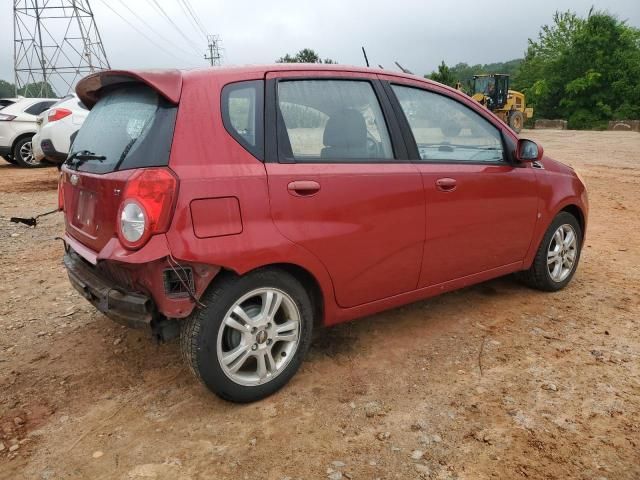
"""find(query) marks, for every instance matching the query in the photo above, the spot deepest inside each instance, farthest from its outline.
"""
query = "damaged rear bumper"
(127, 308)
(135, 288)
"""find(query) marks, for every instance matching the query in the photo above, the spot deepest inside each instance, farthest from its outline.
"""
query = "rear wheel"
(23, 154)
(557, 257)
(516, 120)
(251, 336)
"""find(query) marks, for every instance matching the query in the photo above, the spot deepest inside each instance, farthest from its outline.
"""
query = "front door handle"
(303, 188)
(446, 184)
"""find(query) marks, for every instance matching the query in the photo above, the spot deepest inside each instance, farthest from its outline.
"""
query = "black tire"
(199, 333)
(19, 158)
(538, 276)
(8, 159)
(516, 121)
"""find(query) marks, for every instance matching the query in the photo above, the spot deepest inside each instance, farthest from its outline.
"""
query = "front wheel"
(557, 257)
(251, 336)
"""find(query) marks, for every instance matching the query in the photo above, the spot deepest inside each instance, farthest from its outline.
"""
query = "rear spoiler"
(167, 83)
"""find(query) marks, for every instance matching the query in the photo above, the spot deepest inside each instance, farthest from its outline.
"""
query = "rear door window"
(38, 108)
(131, 126)
(331, 120)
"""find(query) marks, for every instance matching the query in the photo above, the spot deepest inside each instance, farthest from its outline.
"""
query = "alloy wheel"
(26, 154)
(562, 252)
(258, 336)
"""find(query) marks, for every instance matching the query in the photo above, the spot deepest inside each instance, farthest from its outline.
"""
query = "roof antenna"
(404, 70)
(365, 56)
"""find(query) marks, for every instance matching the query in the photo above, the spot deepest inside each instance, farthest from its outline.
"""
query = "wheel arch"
(577, 212)
(20, 137)
(303, 275)
(570, 206)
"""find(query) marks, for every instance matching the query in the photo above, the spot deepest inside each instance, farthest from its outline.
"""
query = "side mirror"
(528, 151)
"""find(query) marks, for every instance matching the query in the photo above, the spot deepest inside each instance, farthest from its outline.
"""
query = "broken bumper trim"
(126, 308)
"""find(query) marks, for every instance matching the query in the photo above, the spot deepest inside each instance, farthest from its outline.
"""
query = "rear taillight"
(57, 114)
(147, 206)
(61, 192)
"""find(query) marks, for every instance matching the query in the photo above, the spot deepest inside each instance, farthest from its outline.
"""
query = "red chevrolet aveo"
(240, 208)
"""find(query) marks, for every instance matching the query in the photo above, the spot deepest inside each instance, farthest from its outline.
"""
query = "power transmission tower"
(55, 44)
(215, 50)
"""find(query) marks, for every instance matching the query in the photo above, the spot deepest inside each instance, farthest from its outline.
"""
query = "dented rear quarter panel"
(212, 165)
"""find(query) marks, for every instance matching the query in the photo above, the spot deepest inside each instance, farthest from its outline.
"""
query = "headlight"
(132, 222)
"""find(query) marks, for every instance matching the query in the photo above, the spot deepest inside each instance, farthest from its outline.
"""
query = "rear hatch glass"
(130, 127)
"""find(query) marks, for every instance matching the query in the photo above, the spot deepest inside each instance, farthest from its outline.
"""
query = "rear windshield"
(131, 126)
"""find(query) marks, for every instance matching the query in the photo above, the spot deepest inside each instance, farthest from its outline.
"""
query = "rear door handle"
(446, 184)
(303, 188)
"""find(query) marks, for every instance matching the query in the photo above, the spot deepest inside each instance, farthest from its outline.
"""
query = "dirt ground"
(494, 381)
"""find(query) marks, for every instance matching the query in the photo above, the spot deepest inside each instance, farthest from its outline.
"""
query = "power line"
(195, 16)
(150, 40)
(178, 29)
(189, 15)
(159, 36)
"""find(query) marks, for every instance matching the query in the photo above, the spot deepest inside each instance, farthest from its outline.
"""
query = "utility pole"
(55, 44)
(215, 50)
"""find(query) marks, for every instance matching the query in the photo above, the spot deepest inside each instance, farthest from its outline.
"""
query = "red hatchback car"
(242, 207)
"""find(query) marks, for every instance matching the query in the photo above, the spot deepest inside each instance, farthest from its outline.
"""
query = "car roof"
(25, 100)
(70, 100)
(169, 82)
(23, 103)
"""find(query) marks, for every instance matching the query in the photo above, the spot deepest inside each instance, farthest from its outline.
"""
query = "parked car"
(245, 207)
(5, 102)
(56, 127)
(17, 126)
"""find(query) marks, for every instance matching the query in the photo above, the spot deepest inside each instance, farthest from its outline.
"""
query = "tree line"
(35, 90)
(584, 70)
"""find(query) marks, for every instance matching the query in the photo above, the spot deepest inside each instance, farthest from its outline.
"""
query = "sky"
(418, 34)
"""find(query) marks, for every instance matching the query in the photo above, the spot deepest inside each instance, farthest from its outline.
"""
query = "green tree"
(443, 75)
(463, 72)
(586, 70)
(38, 90)
(6, 89)
(306, 55)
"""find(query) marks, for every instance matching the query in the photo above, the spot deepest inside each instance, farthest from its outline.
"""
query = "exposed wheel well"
(307, 280)
(577, 213)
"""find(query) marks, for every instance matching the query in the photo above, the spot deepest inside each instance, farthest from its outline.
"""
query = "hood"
(166, 82)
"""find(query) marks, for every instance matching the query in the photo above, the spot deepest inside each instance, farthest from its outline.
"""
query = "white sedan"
(56, 127)
(17, 127)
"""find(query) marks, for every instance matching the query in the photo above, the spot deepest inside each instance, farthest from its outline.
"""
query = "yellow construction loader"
(493, 92)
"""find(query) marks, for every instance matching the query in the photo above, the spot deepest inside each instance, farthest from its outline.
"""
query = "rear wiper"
(83, 156)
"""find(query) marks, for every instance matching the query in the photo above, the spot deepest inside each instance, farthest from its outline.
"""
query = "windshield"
(130, 126)
(484, 85)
